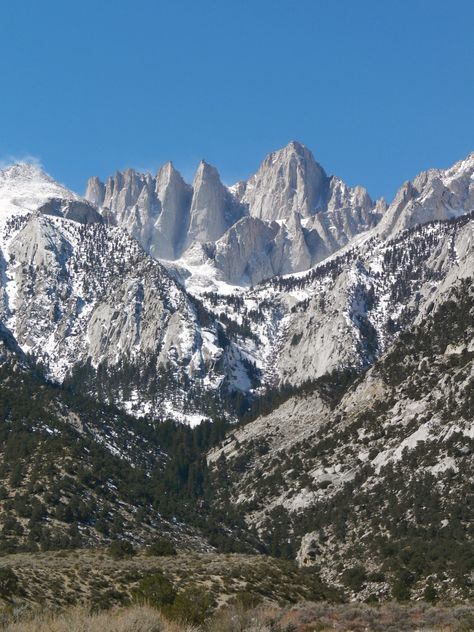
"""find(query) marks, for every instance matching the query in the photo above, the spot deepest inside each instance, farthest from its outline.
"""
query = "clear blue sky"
(378, 90)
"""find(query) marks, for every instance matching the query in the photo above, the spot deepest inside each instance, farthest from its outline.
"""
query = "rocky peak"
(123, 191)
(380, 206)
(238, 189)
(166, 175)
(206, 175)
(288, 180)
(340, 196)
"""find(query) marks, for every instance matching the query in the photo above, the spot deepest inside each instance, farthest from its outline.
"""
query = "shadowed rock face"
(174, 196)
(77, 210)
(243, 252)
(95, 191)
(213, 208)
(254, 250)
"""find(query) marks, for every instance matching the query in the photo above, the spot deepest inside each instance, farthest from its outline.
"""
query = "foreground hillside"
(87, 590)
(98, 579)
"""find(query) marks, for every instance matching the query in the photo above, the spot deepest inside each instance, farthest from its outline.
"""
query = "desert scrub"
(155, 590)
(192, 606)
(88, 577)
(303, 617)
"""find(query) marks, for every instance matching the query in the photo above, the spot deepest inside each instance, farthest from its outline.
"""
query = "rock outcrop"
(77, 210)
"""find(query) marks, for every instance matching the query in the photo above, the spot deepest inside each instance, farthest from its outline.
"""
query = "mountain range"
(319, 342)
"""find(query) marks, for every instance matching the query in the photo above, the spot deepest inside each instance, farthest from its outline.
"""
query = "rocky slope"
(350, 309)
(434, 194)
(371, 482)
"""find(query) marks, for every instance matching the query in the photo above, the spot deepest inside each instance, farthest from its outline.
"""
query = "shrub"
(192, 606)
(430, 594)
(108, 599)
(354, 578)
(119, 549)
(401, 586)
(8, 582)
(156, 590)
(161, 547)
(376, 576)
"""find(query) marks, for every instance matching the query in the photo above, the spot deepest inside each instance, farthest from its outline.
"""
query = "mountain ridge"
(289, 180)
(62, 285)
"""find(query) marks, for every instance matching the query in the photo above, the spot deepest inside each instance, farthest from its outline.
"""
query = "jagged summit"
(206, 172)
(174, 220)
(292, 147)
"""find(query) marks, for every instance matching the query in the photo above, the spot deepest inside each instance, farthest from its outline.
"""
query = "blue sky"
(378, 90)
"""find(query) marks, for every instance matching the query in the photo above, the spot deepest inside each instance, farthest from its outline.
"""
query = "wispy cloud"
(8, 160)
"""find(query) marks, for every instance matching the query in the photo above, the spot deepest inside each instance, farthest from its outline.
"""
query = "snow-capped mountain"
(84, 293)
(25, 187)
